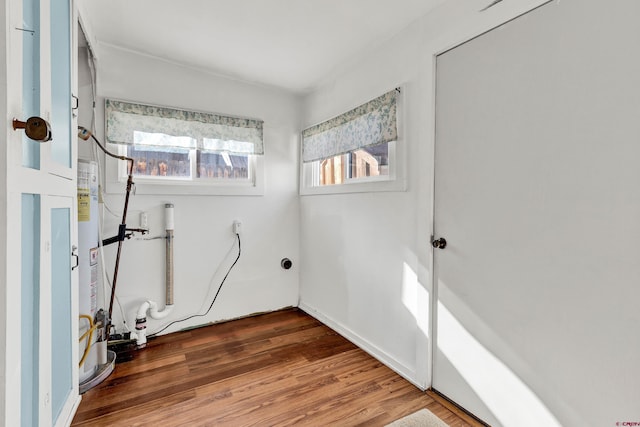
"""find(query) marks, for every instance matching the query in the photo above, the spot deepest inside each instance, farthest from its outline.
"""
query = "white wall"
(367, 257)
(361, 253)
(203, 233)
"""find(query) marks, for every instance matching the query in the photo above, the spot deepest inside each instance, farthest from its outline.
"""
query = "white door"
(537, 193)
(40, 303)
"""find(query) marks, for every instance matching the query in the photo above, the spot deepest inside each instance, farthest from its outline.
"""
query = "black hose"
(214, 298)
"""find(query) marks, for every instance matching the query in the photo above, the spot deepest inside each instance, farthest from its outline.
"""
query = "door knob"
(36, 128)
(440, 243)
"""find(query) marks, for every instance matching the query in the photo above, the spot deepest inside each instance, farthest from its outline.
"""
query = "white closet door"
(40, 348)
(538, 197)
(58, 312)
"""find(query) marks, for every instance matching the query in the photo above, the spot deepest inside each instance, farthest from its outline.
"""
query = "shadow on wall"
(505, 395)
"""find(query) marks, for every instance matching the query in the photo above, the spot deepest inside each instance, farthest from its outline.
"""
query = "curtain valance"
(169, 128)
(369, 124)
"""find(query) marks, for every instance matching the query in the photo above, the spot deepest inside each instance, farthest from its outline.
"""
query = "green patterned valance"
(168, 128)
(370, 124)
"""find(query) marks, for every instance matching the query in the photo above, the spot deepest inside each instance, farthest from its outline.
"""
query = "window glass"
(372, 161)
(149, 161)
(222, 165)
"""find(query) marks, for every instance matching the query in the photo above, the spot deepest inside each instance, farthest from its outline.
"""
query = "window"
(355, 151)
(177, 151)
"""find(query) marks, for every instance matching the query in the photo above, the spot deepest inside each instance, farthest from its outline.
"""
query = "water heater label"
(84, 206)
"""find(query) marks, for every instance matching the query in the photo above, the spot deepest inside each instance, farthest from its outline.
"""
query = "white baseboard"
(72, 405)
(371, 349)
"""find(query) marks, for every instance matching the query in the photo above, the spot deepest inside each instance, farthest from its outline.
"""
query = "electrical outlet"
(236, 227)
(144, 220)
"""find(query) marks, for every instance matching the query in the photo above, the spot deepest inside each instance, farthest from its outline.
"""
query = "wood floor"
(281, 368)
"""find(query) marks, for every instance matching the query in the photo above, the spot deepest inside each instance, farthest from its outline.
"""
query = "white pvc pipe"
(141, 319)
(152, 306)
(168, 216)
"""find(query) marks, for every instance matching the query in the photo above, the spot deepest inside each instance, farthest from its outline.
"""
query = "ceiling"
(290, 44)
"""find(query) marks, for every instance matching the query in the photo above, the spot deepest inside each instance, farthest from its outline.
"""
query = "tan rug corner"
(421, 418)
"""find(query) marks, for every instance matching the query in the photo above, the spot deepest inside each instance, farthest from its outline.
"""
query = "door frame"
(472, 25)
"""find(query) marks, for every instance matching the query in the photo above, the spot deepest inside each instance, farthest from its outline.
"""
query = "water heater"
(87, 257)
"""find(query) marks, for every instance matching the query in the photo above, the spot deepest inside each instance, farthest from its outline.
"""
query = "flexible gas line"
(89, 333)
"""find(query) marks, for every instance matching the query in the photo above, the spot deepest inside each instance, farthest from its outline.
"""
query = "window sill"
(189, 188)
(356, 187)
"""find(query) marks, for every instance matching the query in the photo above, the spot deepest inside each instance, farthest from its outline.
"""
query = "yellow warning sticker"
(84, 207)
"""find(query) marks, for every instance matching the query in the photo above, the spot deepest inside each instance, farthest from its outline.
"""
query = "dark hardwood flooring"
(281, 368)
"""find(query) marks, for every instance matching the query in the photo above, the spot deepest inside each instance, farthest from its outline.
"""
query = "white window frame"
(394, 181)
(116, 179)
